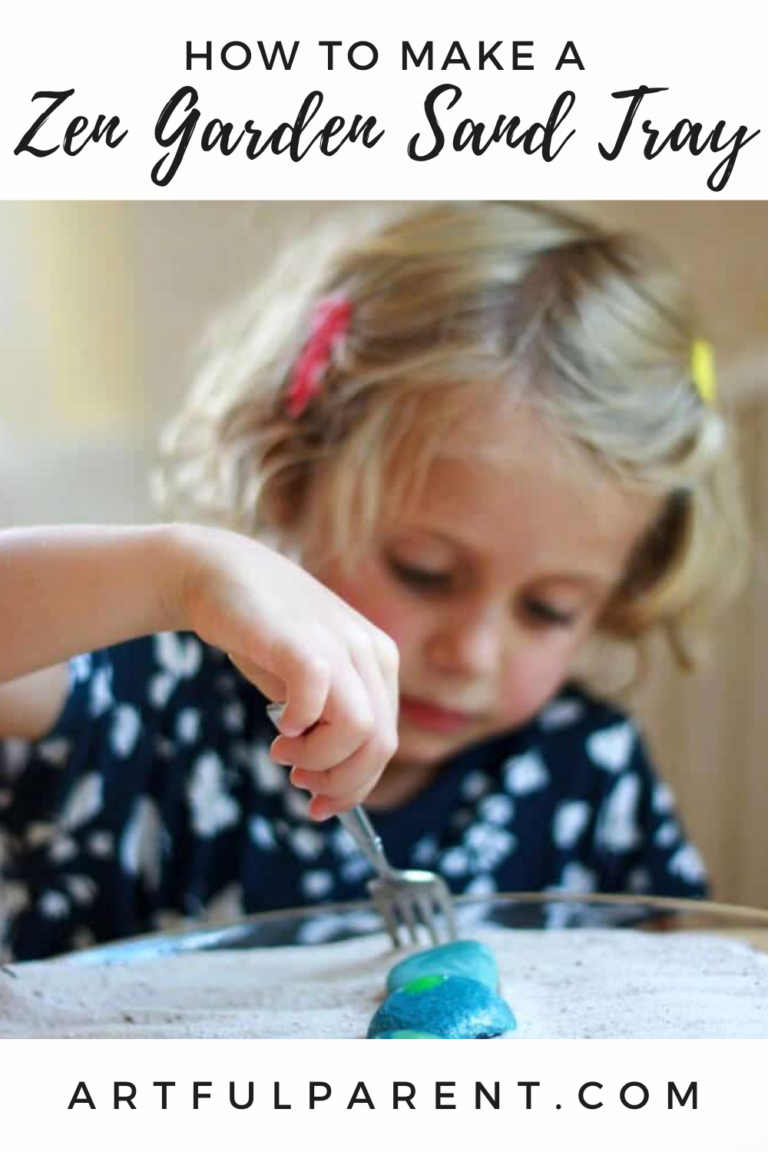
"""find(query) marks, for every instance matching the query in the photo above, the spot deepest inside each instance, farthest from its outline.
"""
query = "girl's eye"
(424, 578)
(544, 613)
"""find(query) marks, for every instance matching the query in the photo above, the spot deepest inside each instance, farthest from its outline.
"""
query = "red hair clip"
(329, 325)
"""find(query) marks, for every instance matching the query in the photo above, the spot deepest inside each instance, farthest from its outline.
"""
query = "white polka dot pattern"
(155, 801)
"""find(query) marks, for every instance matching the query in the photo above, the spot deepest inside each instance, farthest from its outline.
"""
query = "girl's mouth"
(433, 717)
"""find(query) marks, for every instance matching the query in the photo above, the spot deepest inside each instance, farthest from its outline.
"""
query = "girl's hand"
(300, 644)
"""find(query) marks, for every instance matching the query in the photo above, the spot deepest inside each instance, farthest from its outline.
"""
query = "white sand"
(561, 984)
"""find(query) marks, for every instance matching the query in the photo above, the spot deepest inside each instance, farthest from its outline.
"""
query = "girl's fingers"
(389, 666)
(348, 722)
(308, 678)
(267, 683)
(323, 807)
(382, 682)
(326, 745)
(349, 782)
(352, 776)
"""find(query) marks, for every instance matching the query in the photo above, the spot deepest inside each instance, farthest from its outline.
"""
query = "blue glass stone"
(467, 958)
(406, 1034)
(454, 1008)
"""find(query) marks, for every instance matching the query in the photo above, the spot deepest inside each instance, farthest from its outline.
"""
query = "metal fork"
(406, 898)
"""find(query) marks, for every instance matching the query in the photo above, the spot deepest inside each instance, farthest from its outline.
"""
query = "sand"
(572, 984)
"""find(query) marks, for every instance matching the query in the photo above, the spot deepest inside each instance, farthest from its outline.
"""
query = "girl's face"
(490, 583)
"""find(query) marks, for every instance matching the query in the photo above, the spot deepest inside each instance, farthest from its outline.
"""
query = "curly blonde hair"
(594, 330)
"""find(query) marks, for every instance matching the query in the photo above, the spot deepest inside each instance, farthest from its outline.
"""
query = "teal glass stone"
(467, 958)
(406, 1034)
(455, 1008)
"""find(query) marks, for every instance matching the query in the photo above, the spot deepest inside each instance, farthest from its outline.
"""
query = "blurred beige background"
(102, 304)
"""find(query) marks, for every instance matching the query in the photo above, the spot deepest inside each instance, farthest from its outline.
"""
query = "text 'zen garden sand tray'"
(561, 984)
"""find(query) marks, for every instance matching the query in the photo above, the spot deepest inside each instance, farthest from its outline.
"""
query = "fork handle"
(367, 839)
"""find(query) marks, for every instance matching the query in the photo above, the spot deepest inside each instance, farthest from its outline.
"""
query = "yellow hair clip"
(703, 370)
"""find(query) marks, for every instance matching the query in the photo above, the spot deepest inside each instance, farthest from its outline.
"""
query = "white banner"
(707, 1095)
(399, 100)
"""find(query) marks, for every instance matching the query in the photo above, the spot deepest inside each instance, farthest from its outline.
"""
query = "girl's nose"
(469, 644)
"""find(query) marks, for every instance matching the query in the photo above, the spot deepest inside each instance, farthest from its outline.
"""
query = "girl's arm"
(69, 590)
(64, 591)
(30, 706)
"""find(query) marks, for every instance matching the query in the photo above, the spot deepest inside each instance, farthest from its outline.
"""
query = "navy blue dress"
(155, 798)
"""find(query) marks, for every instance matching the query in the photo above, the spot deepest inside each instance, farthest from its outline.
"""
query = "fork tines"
(415, 905)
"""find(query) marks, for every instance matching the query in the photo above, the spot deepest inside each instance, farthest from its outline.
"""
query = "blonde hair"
(592, 329)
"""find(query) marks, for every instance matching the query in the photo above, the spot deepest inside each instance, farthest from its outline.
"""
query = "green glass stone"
(422, 983)
(467, 958)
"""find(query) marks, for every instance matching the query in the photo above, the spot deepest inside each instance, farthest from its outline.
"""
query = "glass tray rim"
(209, 936)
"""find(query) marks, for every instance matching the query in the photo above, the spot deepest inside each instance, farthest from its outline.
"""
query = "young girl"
(474, 443)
